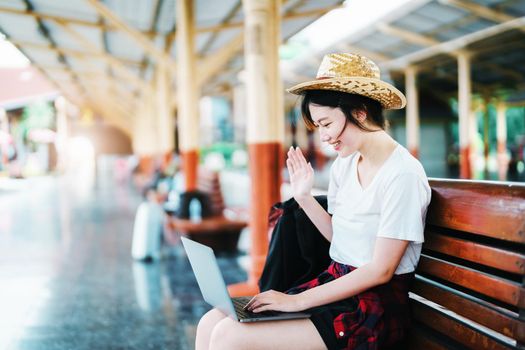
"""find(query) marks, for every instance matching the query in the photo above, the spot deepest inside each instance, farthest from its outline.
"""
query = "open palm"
(301, 173)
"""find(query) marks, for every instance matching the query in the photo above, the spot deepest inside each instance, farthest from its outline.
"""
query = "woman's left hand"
(274, 301)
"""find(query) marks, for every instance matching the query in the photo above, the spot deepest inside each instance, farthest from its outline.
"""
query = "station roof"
(429, 34)
(86, 47)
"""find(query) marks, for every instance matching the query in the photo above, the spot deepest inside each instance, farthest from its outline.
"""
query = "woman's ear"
(359, 115)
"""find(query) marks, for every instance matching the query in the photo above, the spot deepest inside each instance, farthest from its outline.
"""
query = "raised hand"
(301, 173)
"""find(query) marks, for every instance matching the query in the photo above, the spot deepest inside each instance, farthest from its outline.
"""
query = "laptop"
(214, 291)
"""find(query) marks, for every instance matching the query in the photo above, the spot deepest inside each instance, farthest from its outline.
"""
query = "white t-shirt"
(393, 205)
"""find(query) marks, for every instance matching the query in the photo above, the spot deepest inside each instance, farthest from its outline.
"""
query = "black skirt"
(374, 319)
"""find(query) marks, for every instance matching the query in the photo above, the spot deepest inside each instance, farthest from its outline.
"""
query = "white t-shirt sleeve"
(333, 186)
(404, 207)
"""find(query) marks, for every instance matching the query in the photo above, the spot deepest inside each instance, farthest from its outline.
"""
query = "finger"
(257, 304)
(310, 168)
(266, 307)
(290, 150)
(296, 160)
(256, 301)
(289, 165)
(300, 158)
(291, 155)
(250, 303)
(300, 155)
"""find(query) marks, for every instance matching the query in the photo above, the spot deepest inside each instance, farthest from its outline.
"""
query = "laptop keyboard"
(238, 304)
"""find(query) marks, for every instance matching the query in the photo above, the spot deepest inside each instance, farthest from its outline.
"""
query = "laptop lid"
(209, 277)
(214, 291)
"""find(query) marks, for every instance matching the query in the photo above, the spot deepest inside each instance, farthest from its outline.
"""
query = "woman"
(377, 200)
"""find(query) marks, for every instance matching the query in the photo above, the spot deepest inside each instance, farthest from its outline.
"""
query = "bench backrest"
(208, 182)
(472, 268)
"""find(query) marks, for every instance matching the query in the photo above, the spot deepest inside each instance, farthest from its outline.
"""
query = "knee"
(209, 320)
(226, 335)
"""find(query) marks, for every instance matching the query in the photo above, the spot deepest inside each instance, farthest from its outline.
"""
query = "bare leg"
(293, 334)
(205, 328)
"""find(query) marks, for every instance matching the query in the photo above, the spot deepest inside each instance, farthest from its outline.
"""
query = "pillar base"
(190, 162)
(414, 151)
(465, 171)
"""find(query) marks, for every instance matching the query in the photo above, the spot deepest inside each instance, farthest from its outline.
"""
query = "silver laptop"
(215, 293)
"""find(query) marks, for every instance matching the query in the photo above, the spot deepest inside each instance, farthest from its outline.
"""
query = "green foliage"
(225, 148)
(39, 115)
(515, 123)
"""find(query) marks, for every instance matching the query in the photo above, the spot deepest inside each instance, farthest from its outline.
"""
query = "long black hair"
(347, 103)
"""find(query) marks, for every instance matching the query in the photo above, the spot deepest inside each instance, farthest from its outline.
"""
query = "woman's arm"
(387, 255)
(316, 213)
(301, 180)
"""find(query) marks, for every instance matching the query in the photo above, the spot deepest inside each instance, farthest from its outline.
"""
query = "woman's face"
(335, 130)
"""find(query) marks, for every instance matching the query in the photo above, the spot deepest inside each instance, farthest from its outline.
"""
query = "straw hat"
(355, 74)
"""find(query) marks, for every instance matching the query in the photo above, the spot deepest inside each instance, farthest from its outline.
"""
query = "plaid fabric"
(374, 319)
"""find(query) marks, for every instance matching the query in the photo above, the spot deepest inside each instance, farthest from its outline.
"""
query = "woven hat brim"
(385, 93)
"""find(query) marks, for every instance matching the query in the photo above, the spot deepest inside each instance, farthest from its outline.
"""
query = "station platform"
(68, 280)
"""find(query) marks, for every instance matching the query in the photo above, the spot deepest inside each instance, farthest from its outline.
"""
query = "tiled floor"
(67, 280)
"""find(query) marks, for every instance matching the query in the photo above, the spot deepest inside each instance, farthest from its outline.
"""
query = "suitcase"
(147, 232)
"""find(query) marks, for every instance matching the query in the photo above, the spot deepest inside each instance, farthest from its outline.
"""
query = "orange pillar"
(265, 127)
(190, 162)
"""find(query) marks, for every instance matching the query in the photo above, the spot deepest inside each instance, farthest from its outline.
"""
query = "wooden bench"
(469, 289)
(217, 231)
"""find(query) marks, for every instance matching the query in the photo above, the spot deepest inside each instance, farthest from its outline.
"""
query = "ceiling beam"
(482, 11)
(106, 82)
(49, 17)
(231, 14)
(287, 16)
(146, 61)
(451, 46)
(136, 35)
(44, 31)
(479, 10)
(501, 47)
(69, 52)
(113, 62)
(213, 63)
(510, 73)
(411, 37)
(112, 26)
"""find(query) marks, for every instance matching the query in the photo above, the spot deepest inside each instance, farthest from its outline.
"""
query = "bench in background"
(217, 231)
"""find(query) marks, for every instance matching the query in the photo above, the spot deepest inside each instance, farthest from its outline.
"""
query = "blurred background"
(106, 105)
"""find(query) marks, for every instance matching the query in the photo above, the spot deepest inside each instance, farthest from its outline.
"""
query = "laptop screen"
(209, 277)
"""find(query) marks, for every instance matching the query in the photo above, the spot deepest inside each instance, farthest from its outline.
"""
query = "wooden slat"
(491, 209)
(209, 183)
(419, 339)
(214, 225)
(497, 288)
(454, 329)
(479, 253)
(479, 311)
